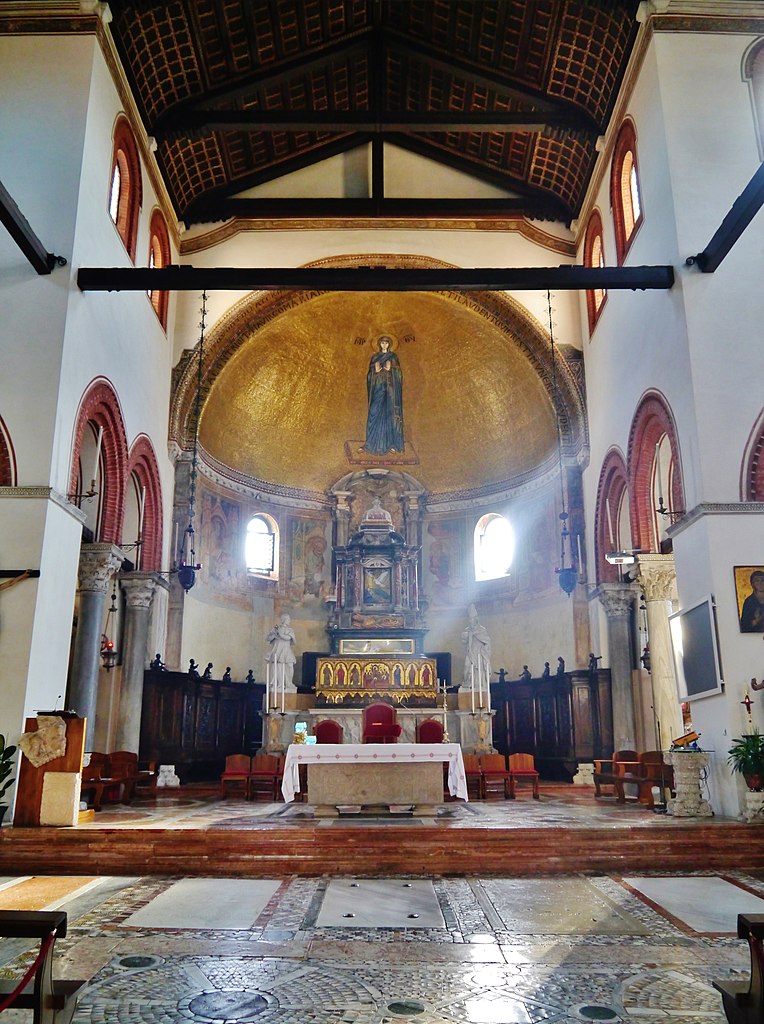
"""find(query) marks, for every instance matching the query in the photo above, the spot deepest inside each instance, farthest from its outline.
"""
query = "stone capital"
(98, 563)
(616, 598)
(138, 592)
(657, 577)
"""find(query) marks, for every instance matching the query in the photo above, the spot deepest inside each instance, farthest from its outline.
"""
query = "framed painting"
(749, 592)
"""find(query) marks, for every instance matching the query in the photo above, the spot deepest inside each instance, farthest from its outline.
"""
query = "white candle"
(609, 524)
(580, 559)
(141, 506)
(472, 686)
(658, 474)
(267, 685)
(174, 553)
(99, 439)
(283, 687)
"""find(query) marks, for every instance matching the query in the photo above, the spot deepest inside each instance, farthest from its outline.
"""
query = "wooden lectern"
(29, 795)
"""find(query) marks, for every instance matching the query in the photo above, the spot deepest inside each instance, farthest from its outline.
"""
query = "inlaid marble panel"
(380, 903)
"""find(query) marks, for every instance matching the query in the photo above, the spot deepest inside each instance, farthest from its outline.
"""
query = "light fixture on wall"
(567, 575)
(108, 651)
(188, 567)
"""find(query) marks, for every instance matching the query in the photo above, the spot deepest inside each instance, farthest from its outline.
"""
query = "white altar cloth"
(368, 753)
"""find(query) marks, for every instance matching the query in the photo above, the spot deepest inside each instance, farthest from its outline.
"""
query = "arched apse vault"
(284, 388)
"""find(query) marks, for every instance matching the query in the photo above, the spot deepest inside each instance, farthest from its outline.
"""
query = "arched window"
(624, 190)
(159, 256)
(261, 551)
(753, 73)
(594, 256)
(494, 547)
(125, 187)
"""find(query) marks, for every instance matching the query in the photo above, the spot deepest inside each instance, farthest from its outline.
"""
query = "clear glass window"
(260, 546)
(494, 547)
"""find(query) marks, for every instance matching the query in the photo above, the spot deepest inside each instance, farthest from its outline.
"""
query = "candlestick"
(141, 506)
(609, 524)
(99, 439)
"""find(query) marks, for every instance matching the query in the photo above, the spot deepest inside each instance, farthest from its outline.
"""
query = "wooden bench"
(52, 1002)
(93, 781)
(611, 772)
(743, 1001)
(651, 772)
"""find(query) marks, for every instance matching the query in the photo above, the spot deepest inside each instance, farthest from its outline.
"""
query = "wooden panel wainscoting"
(196, 723)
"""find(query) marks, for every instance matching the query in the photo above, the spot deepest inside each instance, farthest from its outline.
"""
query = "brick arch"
(652, 419)
(614, 480)
(100, 406)
(159, 256)
(595, 297)
(626, 143)
(143, 464)
(8, 475)
(752, 468)
(125, 157)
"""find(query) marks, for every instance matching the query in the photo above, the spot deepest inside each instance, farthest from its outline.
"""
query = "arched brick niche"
(653, 420)
(613, 485)
(99, 406)
(752, 469)
(7, 458)
(625, 192)
(143, 467)
(594, 256)
(125, 185)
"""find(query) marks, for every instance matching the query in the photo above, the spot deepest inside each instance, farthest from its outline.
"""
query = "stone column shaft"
(658, 580)
(617, 600)
(98, 563)
(139, 591)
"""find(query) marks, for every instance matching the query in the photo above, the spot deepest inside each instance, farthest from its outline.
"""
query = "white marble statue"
(477, 654)
(280, 662)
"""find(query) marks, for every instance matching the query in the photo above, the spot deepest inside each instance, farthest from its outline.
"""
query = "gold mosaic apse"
(290, 405)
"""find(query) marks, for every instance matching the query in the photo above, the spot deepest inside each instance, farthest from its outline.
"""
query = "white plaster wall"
(711, 160)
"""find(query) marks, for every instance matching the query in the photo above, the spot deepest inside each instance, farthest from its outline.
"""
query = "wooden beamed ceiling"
(241, 92)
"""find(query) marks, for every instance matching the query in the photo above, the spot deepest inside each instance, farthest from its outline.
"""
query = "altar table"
(388, 773)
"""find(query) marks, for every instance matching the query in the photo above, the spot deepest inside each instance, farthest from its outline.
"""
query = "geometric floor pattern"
(557, 950)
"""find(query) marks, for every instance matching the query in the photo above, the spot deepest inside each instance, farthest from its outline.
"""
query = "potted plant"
(746, 756)
(7, 759)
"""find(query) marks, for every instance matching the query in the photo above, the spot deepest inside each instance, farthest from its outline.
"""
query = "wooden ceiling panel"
(441, 64)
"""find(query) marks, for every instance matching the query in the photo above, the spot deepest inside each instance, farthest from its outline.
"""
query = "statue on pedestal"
(477, 652)
(280, 662)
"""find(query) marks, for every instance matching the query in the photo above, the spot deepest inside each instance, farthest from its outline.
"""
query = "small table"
(375, 773)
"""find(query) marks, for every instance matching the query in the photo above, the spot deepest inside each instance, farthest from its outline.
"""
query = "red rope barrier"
(44, 947)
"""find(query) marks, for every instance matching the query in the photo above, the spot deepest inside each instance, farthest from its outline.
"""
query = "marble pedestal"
(688, 802)
(364, 784)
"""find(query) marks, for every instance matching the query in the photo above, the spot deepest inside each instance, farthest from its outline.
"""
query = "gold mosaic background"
(293, 396)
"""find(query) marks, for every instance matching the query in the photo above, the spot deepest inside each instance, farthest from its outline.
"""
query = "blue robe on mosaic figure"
(384, 386)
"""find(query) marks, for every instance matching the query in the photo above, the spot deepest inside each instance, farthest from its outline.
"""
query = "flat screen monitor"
(696, 653)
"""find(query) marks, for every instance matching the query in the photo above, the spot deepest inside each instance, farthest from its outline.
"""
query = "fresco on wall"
(385, 440)
(310, 560)
(221, 546)
(444, 562)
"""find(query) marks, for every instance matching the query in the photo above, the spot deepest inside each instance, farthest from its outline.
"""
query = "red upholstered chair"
(497, 781)
(522, 766)
(379, 724)
(264, 779)
(430, 730)
(328, 731)
(474, 776)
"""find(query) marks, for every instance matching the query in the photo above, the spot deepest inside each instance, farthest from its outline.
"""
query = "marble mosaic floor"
(371, 951)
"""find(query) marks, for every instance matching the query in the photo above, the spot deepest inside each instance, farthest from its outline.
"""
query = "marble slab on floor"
(703, 903)
(217, 903)
(380, 903)
(568, 906)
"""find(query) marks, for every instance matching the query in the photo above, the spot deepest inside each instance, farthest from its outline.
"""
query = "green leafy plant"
(746, 755)
(7, 759)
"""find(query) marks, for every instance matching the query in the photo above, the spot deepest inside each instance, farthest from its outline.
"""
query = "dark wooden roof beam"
(744, 209)
(208, 210)
(21, 232)
(372, 279)
(195, 122)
